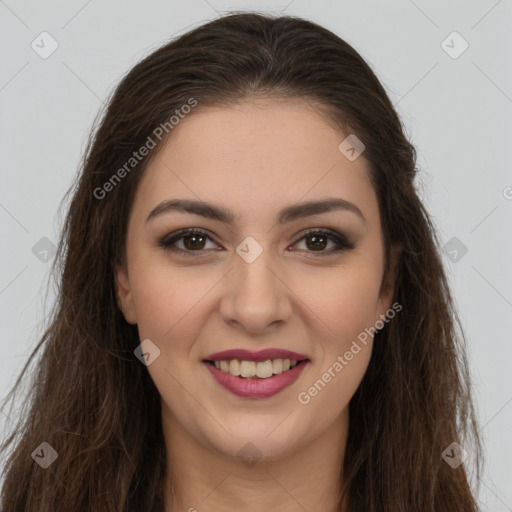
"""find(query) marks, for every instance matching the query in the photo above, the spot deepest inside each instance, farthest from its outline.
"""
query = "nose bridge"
(255, 297)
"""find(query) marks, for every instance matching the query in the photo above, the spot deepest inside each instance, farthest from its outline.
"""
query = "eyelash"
(168, 241)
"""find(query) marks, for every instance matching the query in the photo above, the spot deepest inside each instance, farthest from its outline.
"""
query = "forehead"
(253, 156)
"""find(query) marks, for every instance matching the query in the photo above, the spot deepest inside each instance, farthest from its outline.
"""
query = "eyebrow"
(287, 214)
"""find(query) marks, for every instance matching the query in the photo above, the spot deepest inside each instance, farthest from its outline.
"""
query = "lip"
(261, 355)
(256, 388)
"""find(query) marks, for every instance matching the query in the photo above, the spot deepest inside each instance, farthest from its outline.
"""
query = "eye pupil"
(187, 238)
(315, 239)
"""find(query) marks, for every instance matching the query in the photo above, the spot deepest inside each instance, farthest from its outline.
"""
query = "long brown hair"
(95, 403)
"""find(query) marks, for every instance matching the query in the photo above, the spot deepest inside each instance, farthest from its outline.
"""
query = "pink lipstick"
(254, 386)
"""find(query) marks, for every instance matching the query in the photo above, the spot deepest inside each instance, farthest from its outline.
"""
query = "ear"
(124, 294)
(387, 289)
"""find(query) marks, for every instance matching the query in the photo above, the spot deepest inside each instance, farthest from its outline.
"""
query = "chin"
(252, 440)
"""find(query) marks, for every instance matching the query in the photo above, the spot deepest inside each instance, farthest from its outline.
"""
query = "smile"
(250, 379)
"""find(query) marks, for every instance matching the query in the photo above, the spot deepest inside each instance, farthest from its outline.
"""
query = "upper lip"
(261, 355)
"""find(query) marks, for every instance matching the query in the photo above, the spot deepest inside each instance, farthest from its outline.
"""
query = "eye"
(318, 239)
(193, 240)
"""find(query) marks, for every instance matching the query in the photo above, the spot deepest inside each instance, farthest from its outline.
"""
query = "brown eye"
(195, 241)
(192, 241)
(317, 241)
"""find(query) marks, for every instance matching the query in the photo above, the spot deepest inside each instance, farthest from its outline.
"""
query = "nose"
(256, 297)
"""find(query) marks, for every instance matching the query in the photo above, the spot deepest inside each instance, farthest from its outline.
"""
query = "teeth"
(264, 369)
(251, 369)
(234, 367)
(247, 369)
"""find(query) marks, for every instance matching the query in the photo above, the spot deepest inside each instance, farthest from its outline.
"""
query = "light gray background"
(456, 111)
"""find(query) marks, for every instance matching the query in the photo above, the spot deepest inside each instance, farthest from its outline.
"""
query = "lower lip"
(257, 388)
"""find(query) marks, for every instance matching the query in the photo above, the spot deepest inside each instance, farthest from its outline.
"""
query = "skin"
(254, 159)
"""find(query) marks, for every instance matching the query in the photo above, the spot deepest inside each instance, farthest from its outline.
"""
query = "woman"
(252, 309)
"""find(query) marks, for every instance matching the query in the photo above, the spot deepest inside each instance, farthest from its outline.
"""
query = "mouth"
(251, 379)
(258, 370)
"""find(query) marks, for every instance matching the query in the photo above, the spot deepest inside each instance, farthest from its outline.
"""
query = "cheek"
(345, 300)
(330, 389)
(338, 303)
(166, 300)
(347, 307)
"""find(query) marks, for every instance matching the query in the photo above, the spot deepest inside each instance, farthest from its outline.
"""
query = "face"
(260, 272)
